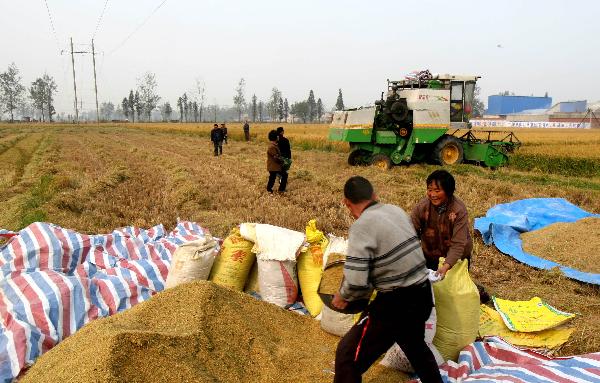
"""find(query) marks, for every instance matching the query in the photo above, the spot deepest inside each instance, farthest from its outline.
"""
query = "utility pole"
(95, 84)
(73, 53)
(74, 83)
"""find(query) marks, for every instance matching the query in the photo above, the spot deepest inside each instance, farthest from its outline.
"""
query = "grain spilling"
(331, 280)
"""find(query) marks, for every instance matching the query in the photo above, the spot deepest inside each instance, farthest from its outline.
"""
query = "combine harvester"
(413, 122)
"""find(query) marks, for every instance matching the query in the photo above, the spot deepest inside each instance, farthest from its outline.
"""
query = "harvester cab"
(410, 123)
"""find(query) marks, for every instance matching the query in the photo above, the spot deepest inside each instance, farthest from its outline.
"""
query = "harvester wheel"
(448, 151)
(358, 157)
(382, 161)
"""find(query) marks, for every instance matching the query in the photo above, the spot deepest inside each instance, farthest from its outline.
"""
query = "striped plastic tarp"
(55, 280)
(6, 233)
(494, 360)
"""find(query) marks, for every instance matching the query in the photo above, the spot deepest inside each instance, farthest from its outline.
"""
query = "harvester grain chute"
(412, 124)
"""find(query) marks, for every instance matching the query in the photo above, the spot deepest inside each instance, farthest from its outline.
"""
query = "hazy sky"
(528, 47)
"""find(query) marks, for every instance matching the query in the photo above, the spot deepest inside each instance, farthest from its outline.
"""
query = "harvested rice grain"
(335, 257)
(573, 244)
(331, 280)
(197, 332)
(332, 276)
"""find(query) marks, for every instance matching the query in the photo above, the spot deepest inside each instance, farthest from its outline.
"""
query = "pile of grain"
(197, 332)
(570, 244)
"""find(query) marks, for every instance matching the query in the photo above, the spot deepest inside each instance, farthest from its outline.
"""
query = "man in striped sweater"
(384, 254)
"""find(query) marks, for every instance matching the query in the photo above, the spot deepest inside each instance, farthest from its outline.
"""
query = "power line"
(52, 24)
(100, 19)
(138, 27)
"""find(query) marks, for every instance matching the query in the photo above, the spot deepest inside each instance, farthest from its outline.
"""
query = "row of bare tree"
(14, 95)
(142, 103)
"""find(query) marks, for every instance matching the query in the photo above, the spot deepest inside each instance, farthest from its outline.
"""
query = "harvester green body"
(413, 122)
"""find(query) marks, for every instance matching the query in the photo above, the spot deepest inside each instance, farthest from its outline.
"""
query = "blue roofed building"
(502, 105)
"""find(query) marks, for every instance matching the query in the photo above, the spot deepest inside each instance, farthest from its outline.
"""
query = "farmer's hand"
(339, 302)
(443, 270)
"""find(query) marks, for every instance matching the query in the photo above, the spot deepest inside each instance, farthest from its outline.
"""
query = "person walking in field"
(284, 148)
(246, 131)
(275, 164)
(224, 130)
(216, 136)
(384, 254)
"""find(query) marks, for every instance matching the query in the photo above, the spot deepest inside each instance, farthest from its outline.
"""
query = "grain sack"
(277, 282)
(192, 261)
(310, 267)
(395, 357)
(233, 264)
(336, 323)
(277, 250)
(248, 232)
(252, 281)
(337, 245)
(457, 304)
(332, 321)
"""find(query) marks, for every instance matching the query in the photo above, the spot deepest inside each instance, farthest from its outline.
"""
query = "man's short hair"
(215, 125)
(280, 130)
(273, 135)
(444, 180)
(358, 189)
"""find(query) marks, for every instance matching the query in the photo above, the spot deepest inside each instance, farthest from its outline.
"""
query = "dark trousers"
(282, 183)
(218, 147)
(394, 317)
(247, 135)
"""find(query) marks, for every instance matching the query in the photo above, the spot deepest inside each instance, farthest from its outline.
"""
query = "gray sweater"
(384, 253)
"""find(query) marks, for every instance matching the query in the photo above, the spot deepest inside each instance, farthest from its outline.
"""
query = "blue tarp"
(503, 224)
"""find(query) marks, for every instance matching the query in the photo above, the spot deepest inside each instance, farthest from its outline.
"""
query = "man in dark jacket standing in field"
(384, 254)
(216, 136)
(283, 144)
(246, 131)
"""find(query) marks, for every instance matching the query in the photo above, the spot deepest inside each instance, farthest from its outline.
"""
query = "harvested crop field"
(94, 179)
(197, 332)
(570, 244)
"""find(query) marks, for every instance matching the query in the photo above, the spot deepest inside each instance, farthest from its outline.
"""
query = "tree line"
(14, 96)
(142, 103)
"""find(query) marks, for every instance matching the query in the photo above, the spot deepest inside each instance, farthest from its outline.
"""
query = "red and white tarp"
(53, 281)
(494, 360)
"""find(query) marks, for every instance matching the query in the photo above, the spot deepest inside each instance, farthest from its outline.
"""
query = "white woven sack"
(395, 357)
(192, 261)
(277, 281)
(336, 323)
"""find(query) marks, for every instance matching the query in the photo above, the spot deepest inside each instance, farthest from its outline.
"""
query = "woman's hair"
(358, 189)
(444, 180)
(273, 135)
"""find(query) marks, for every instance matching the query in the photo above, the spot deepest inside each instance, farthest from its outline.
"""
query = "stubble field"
(96, 178)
